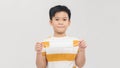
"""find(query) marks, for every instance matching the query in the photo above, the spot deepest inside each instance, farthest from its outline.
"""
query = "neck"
(59, 34)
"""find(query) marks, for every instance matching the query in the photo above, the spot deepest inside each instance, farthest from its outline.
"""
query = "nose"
(60, 23)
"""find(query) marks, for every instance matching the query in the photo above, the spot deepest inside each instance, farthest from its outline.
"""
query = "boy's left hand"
(82, 45)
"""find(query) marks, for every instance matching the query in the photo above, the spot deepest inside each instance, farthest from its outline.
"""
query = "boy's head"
(60, 18)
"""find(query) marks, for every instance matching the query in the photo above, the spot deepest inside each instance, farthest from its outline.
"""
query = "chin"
(61, 32)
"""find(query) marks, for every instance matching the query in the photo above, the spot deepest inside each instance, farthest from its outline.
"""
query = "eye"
(56, 19)
(64, 19)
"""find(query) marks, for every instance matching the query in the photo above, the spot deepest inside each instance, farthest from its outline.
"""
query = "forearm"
(39, 61)
(80, 59)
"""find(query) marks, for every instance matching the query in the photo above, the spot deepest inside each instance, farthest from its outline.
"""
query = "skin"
(60, 22)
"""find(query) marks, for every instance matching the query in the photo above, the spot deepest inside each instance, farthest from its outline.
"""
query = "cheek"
(53, 23)
(67, 24)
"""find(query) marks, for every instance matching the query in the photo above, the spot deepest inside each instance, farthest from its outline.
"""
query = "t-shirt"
(60, 52)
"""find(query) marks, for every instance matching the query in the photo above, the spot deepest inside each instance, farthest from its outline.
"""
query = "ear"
(69, 23)
(50, 22)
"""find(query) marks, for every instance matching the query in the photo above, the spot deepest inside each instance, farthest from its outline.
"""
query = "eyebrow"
(63, 17)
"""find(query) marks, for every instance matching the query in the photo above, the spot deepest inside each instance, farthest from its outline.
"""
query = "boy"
(60, 50)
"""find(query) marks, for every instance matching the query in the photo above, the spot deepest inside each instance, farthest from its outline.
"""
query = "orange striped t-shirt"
(60, 52)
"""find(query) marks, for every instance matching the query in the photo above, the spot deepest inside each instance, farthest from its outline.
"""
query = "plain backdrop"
(25, 22)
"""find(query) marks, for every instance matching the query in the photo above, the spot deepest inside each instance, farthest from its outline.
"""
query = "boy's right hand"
(38, 47)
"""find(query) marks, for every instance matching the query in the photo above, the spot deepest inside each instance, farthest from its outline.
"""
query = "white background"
(24, 22)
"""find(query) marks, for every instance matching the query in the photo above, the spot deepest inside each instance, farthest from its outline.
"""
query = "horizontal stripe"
(61, 64)
(60, 57)
(46, 44)
(59, 50)
(75, 42)
(43, 53)
(74, 66)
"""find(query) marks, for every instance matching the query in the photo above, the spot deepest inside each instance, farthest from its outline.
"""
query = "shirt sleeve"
(45, 45)
(76, 43)
(43, 51)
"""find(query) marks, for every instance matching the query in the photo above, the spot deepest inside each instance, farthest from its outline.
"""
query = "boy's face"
(60, 22)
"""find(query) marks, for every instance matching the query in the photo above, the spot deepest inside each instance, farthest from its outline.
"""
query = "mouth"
(60, 26)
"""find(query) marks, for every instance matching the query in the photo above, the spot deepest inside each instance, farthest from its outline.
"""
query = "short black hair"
(59, 8)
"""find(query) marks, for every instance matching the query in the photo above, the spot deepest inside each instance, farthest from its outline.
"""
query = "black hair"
(59, 8)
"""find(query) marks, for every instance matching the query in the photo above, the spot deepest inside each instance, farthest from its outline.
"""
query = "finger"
(38, 42)
(39, 48)
(38, 45)
(83, 47)
(82, 44)
(81, 41)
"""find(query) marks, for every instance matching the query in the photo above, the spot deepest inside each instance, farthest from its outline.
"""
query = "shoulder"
(46, 39)
(45, 42)
(73, 38)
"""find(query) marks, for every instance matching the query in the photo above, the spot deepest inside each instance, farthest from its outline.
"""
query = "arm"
(80, 57)
(40, 58)
(40, 61)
